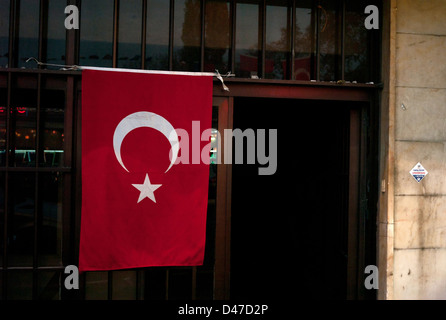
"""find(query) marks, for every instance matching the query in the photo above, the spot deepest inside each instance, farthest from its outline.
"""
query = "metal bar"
(68, 254)
(36, 191)
(171, 32)
(137, 284)
(77, 178)
(71, 46)
(110, 285)
(167, 284)
(194, 283)
(43, 29)
(233, 9)
(33, 169)
(143, 34)
(318, 16)
(8, 121)
(115, 32)
(68, 122)
(203, 30)
(262, 38)
(12, 22)
(38, 109)
(6, 205)
(343, 41)
(293, 45)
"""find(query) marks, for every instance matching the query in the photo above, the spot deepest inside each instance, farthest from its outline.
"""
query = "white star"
(146, 189)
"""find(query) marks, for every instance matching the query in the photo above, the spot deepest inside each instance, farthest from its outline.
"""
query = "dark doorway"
(290, 231)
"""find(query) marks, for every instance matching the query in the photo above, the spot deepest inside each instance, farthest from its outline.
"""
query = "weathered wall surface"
(419, 253)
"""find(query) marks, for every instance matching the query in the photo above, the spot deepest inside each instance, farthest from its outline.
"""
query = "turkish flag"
(139, 207)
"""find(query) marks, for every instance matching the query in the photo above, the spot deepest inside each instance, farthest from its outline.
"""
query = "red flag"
(138, 208)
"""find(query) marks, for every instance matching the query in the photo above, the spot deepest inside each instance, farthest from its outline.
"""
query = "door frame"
(363, 166)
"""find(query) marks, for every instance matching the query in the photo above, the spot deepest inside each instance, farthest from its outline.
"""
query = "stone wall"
(419, 209)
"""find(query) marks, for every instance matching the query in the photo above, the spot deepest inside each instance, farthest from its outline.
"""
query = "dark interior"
(289, 230)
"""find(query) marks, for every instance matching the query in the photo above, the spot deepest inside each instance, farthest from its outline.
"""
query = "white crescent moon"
(149, 120)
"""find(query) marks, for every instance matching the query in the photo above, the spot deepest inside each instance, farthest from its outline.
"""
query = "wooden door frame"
(359, 171)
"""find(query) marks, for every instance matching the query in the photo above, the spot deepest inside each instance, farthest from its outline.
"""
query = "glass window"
(129, 37)
(55, 39)
(278, 18)
(4, 32)
(329, 41)
(247, 40)
(356, 43)
(19, 285)
(217, 36)
(52, 111)
(96, 33)
(23, 121)
(49, 285)
(28, 43)
(304, 37)
(96, 285)
(187, 35)
(157, 35)
(124, 285)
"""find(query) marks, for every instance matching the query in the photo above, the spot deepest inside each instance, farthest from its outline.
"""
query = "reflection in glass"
(4, 32)
(96, 43)
(96, 285)
(157, 35)
(356, 43)
(3, 102)
(217, 36)
(28, 43)
(277, 39)
(19, 285)
(21, 219)
(23, 116)
(187, 35)
(49, 285)
(124, 285)
(247, 42)
(50, 220)
(330, 44)
(304, 35)
(55, 40)
(129, 45)
(52, 128)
